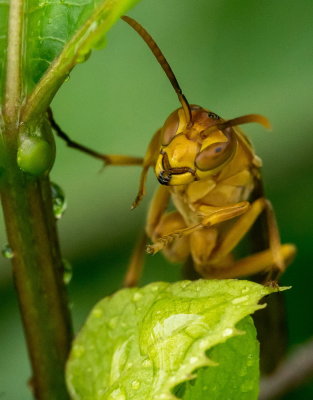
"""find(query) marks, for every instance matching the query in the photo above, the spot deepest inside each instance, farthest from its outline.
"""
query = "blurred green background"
(234, 57)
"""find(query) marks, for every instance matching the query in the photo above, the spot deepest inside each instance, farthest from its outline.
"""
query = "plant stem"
(31, 231)
(13, 68)
(37, 270)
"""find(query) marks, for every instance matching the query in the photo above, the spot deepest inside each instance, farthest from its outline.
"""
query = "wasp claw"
(150, 249)
(137, 201)
(272, 284)
(154, 248)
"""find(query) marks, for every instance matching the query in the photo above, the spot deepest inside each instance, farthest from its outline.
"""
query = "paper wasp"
(208, 169)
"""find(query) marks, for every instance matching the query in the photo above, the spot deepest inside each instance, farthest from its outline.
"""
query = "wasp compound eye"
(170, 128)
(216, 154)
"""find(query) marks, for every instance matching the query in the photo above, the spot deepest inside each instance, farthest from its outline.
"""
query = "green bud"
(35, 155)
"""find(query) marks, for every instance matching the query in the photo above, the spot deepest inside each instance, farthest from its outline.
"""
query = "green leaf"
(237, 371)
(57, 35)
(142, 343)
(4, 11)
(61, 34)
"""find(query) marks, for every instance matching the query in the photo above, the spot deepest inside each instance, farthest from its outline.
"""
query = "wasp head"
(194, 150)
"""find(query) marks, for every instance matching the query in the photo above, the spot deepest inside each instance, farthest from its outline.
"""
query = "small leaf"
(142, 343)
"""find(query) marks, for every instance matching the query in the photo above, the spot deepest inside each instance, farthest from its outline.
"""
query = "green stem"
(37, 269)
(13, 69)
(31, 231)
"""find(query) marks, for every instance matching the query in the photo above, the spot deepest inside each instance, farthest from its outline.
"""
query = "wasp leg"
(160, 223)
(178, 249)
(220, 214)
(157, 208)
(238, 230)
(279, 264)
(113, 159)
(242, 226)
(202, 244)
(258, 262)
(148, 161)
(135, 266)
(158, 205)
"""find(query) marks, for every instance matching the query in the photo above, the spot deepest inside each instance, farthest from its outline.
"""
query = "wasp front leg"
(160, 224)
(213, 216)
(108, 159)
(148, 161)
(158, 205)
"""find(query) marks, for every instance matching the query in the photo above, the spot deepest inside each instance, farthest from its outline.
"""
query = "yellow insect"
(208, 169)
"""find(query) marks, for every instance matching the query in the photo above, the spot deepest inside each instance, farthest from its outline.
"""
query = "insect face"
(193, 150)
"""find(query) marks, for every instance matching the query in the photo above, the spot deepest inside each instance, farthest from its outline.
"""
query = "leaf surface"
(236, 372)
(142, 343)
(57, 35)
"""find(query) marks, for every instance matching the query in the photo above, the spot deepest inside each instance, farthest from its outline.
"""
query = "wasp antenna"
(245, 119)
(162, 61)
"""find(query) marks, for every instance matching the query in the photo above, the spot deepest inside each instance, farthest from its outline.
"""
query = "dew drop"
(228, 332)
(117, 394)
(147, 363)
(78, 350)
(67, 271)
(135, 384)
(97, 312)
(7, 252)
(113, 322)
(239, 300)
(137, 296)
(58, 200)
(100, 43)
(250, 360)
(82, 57)
(193, 360)
(247, 386)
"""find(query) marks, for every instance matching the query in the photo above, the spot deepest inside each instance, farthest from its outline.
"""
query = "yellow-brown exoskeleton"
(208, 169)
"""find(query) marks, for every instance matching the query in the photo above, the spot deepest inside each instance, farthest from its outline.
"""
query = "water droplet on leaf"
(147, 363)
(67, 272)
(117, 394)
(240, 299)
(58, 200)
(82, 57)
(78, 351)
(97, 312)
(137, 296)
(228, 332)
(135, 384)
(7, 252)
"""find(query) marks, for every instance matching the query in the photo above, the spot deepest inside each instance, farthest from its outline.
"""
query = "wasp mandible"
(208, 169)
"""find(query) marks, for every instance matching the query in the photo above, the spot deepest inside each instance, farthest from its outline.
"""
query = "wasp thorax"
(194, 150)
